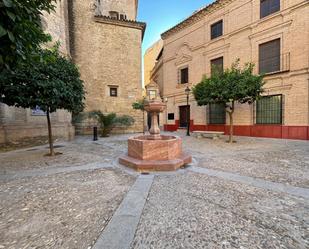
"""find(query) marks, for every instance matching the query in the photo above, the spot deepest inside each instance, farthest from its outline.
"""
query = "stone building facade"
(150, 60)
(273, 34)
(23, 126)
(105, 43)
(104, 39)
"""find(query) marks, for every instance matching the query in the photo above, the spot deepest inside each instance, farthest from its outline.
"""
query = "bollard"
(95, 133)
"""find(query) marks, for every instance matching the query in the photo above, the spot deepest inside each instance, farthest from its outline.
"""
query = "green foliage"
(109, 121)
(234, 84)
(124, 120)
(48, 80)
(139, 105)
(20, 29)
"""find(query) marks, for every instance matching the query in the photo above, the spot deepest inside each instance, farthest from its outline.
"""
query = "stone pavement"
(252, 194)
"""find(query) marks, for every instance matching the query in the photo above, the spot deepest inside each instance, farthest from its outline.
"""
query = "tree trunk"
(50, 135)
(231, 122)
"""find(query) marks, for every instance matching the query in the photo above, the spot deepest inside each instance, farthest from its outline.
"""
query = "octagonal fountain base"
(155, 153)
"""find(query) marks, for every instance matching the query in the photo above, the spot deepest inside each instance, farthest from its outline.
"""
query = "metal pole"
(95, 133)
(188, 116)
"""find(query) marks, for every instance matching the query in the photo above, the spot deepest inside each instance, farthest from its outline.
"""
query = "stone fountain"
(154, 152)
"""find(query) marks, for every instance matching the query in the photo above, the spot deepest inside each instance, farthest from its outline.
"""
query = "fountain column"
(154, 152)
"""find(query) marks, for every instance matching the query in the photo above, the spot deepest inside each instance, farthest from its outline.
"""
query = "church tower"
(105, 43)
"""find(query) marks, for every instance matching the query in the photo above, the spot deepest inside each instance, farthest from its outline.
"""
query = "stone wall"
(57, 25)
(19, 126)
(126, 7)
(108, 54)
(150, 58)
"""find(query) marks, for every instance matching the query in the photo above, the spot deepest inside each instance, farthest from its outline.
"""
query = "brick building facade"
(273, 34)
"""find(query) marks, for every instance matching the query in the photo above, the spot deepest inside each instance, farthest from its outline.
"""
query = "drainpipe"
(308, 97)
(308, 94)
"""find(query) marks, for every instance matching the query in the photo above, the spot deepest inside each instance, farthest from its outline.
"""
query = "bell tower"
(117, 9)
(105, 39)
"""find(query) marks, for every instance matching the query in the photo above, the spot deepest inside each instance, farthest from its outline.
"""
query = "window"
(114, 14)
(217, 114)
(216, 29)
(123, 17)
(113, 91)
(216, 65)
(269, 57)
(269, 110)
(171, 116)
(37, 111)
(268, 7)
(184, 75)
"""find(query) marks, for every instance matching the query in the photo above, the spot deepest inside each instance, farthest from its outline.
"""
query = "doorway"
(184, 113)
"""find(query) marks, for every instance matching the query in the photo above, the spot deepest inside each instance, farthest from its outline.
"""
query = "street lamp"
(187, 91)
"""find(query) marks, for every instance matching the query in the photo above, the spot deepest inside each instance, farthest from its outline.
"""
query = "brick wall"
(243, 31)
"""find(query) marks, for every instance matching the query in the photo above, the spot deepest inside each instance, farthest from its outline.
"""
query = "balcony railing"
(276, 64)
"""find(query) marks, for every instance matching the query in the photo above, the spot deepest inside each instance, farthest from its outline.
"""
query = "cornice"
(279, 26)
(124, 23)
(195, 17)
(215, 50)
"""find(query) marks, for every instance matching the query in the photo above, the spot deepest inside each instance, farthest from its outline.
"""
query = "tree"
(139, 105)
(228, 87)
(109, 121)
(20, 29)
(47, 80)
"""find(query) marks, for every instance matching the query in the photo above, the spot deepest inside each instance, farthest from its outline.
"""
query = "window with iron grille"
(216, 65)
(113, 91)
(184, 75)
(269, 110)
(216, 29)
(268, 7)
(269, 57)
(217, 114)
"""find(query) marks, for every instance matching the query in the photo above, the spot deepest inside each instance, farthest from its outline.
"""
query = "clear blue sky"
(161, 15)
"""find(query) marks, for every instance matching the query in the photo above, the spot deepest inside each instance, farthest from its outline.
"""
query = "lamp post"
(187, 91)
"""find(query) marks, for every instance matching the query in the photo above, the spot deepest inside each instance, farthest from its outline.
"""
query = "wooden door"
(184, 111)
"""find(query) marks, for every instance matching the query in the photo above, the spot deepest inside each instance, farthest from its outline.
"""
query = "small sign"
(37, 111)
(171, 116)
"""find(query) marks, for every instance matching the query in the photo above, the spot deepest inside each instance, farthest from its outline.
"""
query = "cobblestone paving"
(195, 211)
(79, 152)
(67, 201)
(65, 210)
(283, 161)
(59, 211)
